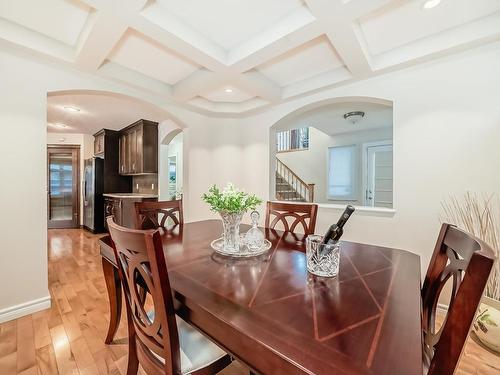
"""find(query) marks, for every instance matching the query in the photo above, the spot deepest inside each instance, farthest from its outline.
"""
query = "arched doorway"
(74, 117)
(335, 151)
(171, 163)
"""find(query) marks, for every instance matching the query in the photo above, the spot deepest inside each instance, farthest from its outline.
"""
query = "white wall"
(86, 143)
(311, 165)
(25, 83)
(446, 140)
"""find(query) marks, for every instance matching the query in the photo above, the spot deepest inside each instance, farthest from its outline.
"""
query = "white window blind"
(342, 172)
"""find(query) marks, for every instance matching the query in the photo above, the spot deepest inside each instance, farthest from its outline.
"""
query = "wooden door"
(63, 186)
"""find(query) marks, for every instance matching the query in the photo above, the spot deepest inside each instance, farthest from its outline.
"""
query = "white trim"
(26, 308)
(368, 209)
(334, 206)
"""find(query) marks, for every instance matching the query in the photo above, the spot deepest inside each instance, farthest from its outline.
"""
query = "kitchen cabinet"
(99, 143)
(139, 148)
(107, 146)
(122, 207)
(112, 207)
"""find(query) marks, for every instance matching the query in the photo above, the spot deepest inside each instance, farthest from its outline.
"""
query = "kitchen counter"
(130, 195)
(122, 206)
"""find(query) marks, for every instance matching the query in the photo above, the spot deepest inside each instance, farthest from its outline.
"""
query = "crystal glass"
(254, 238)
(231, 231)
(322, 260)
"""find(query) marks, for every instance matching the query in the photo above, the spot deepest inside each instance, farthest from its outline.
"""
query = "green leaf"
(486, 319)
(230, 199)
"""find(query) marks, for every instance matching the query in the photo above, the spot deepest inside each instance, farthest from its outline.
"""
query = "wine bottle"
(336, 231)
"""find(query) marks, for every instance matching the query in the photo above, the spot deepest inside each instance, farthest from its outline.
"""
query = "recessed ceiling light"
(59, 125)
(228, 90)
(429, 4)
(71, 109)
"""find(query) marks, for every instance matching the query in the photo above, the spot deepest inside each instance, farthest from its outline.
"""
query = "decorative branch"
(480, 216)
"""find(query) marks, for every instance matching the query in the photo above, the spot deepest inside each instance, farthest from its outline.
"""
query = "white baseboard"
(30, 307)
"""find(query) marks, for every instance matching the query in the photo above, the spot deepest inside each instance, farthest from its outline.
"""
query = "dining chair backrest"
(152, 215)
(467, 261)
(142, 270)
(291, 215)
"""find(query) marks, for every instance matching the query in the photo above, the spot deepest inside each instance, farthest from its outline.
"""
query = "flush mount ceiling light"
(228, 90)
(60, 125)
(429, 4)
(71, 109)
(354, 117)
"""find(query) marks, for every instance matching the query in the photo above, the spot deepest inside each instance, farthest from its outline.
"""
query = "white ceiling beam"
(200, 82)
(101, 33)
(339, 29)
(254, 83)
(276, 48)
(359, 8)
(136, 79)
(211, 59)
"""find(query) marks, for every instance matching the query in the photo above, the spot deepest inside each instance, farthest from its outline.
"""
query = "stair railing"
(305, 190)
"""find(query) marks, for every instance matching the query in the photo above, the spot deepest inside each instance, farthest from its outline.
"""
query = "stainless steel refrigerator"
(93, 201)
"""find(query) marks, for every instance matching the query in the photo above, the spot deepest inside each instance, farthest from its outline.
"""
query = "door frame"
(75, 222)
(364, 165)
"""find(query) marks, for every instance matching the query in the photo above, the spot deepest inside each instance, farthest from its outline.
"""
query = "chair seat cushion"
(197, 351)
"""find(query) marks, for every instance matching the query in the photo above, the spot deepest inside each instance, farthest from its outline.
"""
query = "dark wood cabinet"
(113, 207)
(123, 208)
(99, 139)
(139, 148)
(107, 146)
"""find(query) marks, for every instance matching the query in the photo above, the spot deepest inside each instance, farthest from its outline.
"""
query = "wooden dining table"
(273, 316)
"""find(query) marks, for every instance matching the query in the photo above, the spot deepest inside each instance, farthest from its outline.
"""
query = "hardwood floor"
(69, 337)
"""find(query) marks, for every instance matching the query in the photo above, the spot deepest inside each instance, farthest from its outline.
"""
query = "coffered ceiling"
(235, 57)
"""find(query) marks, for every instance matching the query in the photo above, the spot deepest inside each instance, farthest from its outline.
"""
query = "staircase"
(290, 187)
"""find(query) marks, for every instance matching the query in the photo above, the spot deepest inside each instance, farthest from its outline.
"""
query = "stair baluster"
(290, 187)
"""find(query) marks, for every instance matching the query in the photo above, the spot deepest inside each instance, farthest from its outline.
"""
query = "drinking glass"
(322, 259)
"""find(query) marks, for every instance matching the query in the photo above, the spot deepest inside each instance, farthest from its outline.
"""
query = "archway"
(339, 140)
(73, 116)
(171, 161)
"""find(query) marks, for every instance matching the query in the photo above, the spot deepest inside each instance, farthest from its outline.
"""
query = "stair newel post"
(310, 188)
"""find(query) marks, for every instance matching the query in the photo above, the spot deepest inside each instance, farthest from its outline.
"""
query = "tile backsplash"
(145, 184)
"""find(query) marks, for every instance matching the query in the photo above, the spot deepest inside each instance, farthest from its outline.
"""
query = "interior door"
(63, 165)
(379, 176)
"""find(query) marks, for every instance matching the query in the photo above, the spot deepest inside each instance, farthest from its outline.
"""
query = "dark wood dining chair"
(160, 341)
(467, 261)
(152, 215)
(290, 215)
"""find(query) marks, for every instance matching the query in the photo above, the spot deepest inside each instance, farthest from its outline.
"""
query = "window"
(342, 173)
(290, 140)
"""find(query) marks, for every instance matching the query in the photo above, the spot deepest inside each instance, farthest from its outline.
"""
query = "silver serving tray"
(244, 252)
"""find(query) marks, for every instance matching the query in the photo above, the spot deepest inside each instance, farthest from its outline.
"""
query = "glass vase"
(231, 231)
